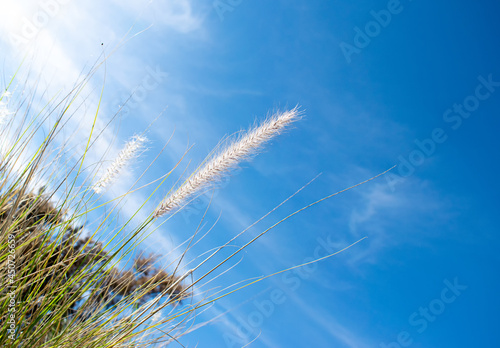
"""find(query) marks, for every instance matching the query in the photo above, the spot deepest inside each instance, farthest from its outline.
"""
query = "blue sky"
(381, 83)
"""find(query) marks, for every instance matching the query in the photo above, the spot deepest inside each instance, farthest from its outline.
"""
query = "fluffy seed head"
(237, 151)
(4, 110)
(129, 152)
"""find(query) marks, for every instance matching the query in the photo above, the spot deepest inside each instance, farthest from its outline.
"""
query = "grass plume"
(131, 150)
(4, 109)
(228, 158)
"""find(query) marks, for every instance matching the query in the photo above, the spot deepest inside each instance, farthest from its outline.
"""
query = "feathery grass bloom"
(4, 110)
(129, 152)
(221, 163)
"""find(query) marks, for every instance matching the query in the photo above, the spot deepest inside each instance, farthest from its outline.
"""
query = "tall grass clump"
(72, 274)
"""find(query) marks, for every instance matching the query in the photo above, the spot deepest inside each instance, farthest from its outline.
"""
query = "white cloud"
(326, 322)
(174, 14)
(376, 199)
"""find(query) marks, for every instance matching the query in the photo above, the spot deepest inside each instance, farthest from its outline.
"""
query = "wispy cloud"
(375, 199)
(326, 322)
(179, 15)
(378, 213)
